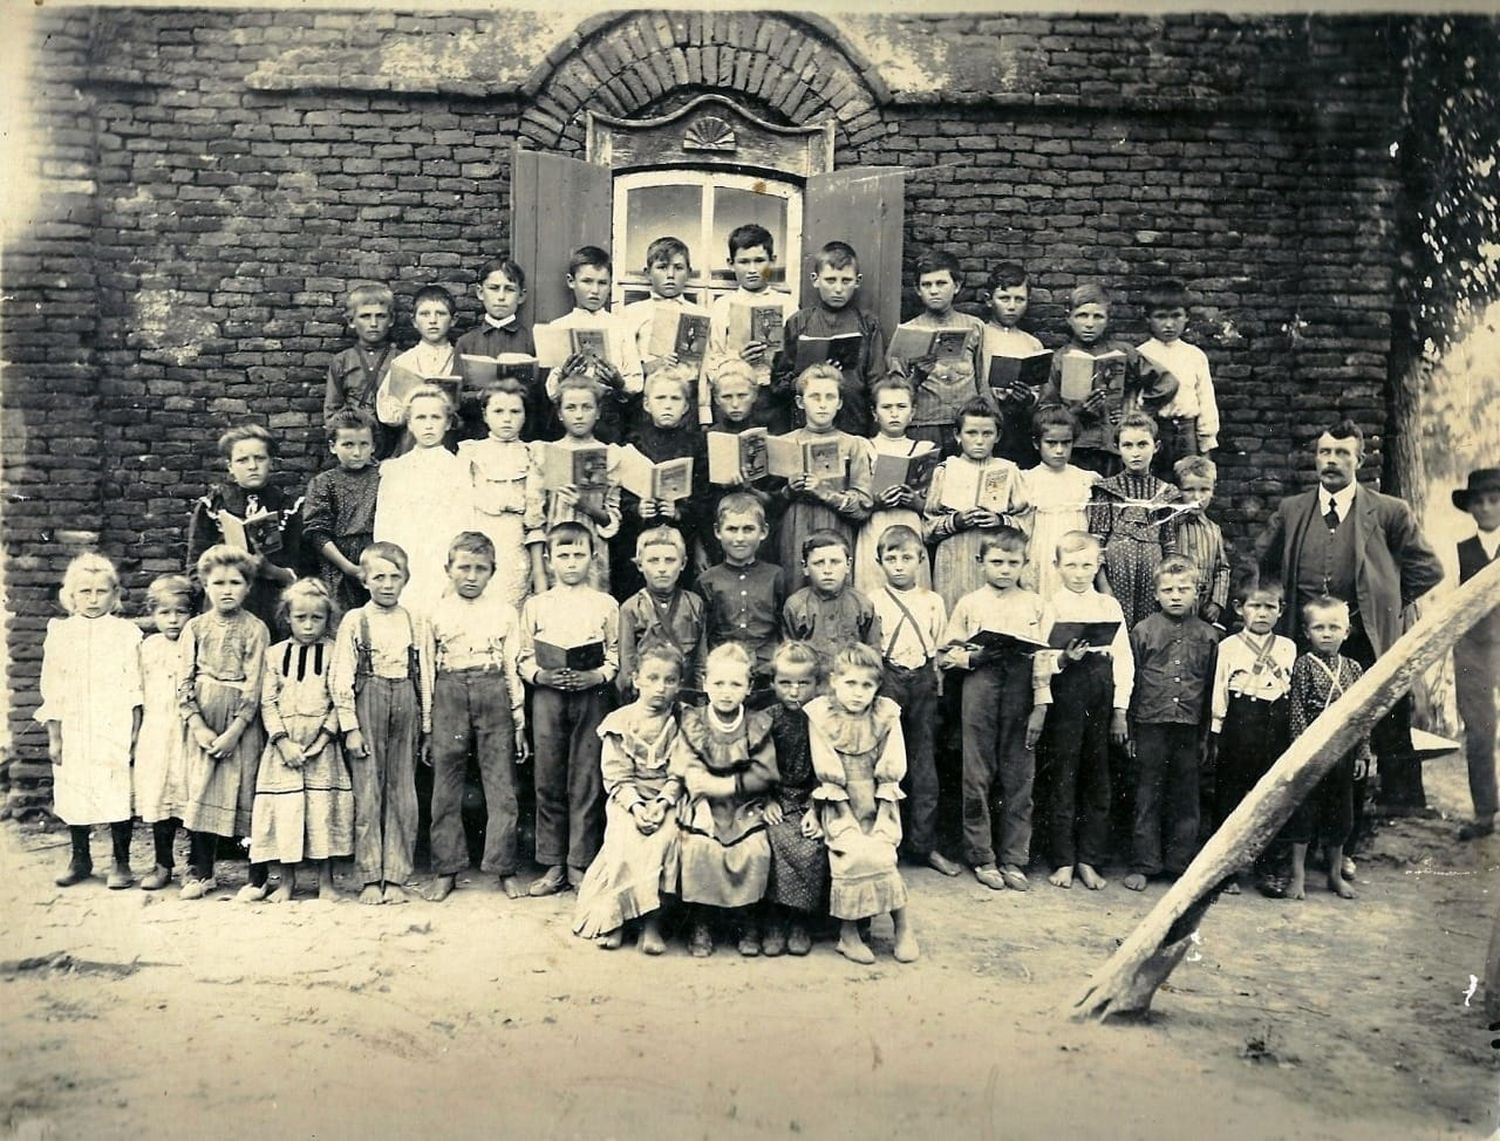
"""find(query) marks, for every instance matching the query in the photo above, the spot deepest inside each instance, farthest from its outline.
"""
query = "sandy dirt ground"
(149, 1016)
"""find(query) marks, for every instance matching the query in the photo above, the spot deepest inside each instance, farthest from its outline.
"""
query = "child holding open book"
(748, 324)
(667, 327)
(902, 469)
(938, 351)
(1013, 365)
(835, 331)
(431, 359)
(505, 338)
(831, 488)
(580, 479)
(972, 493)
(1102, 391)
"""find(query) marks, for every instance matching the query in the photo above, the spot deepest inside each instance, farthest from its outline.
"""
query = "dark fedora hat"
(1480, 479)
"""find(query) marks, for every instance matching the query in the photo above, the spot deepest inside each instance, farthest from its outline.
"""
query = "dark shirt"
(855, 385)
(1174, 669)
(744, 606)
(487, 341)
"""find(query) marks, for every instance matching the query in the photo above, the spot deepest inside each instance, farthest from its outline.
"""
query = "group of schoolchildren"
(732, 733)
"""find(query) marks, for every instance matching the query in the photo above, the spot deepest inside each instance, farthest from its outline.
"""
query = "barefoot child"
(797, 892)
(912, 620)
(379, 676)
(900, 505)
(568, 705)
(1087, 684)
(997, 700)
(507, 487)
(1174, 652)
(639, 856)
(860, 757)
(91, 706)
(223, 661)
(1319, 678)
(1252, 677)
(726, 761)
(474, 644)
(160, 772)
(304, 801)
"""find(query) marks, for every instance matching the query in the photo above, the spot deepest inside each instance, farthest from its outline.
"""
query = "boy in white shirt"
(1189, 421)
(589, 274)
(752, 257)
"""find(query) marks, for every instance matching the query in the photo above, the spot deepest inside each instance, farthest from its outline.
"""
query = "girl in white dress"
(160, 773)
(507, 488)
(91, 706)
(1057, 492)
(893, 401)
(424, 498)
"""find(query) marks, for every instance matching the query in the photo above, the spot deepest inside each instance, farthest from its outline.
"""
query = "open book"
(987, 646)
(585, 468)
(749, 322)
(820, 459)
(480, 371)
(1064, 634)
(735, 459)
(681, 333)
(944, 346)
(669, 480)
(556, 343)
(841, 351)
(1082, 373)
(401, 382)
(1032, 370)
(967, 485)
(903, 471)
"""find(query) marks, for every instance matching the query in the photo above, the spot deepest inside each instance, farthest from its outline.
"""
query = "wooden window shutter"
(556, 205)
(866, 207)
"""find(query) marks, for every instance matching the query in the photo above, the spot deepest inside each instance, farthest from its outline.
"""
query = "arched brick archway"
(793, 66)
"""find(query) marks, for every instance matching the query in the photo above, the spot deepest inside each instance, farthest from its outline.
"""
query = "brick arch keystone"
(797, 66)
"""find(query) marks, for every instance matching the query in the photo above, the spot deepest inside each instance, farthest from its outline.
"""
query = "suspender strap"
(906, 617)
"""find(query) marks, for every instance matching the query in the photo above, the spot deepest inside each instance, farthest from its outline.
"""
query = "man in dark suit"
(1356, 544)
(1476, 657)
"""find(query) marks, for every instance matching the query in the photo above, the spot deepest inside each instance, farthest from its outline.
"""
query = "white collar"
(1490, 542)
(494, 324)
(1343, 499)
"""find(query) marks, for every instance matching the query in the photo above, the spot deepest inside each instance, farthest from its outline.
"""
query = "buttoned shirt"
(479, 633)
(744, 605)
(1174, 664)
(1014, 611)
(1085, 606)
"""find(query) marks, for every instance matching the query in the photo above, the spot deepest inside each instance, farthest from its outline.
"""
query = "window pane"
(653, 212)
(734, 208)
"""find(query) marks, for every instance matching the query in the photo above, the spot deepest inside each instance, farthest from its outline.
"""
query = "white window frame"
(631, 282)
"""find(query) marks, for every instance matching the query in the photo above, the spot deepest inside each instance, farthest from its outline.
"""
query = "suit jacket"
(1393, 565)
(1486, 632)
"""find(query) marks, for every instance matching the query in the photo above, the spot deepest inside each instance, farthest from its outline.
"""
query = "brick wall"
(214, 179)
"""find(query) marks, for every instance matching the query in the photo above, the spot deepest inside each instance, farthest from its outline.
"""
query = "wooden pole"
(1128, 981)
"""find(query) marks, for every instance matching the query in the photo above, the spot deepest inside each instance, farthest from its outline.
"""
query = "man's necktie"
(1332, 518)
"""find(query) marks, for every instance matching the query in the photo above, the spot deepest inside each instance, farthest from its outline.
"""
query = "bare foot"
(1063, 877)
(394, 893)
(371, 894)
(511, 886)
(1091, 879)
(1297, 887)
(327, 892)
(941, 863)
(906, 949)
(1134, 881)
(1233, 887)
(282, 894)
(651, 941)
(852, 947)
(438, 890)
(611, 940)
(575, 875)
(1341, 887)
(252, 893)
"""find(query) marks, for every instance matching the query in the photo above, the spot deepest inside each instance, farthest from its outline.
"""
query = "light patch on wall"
(910, 59)
(165, 325)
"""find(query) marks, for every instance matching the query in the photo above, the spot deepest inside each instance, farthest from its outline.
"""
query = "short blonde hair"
(731, 367)
(681, 375)
(168, 588)
(730, 653)
(223, 555)
(306, 589)
(1071, 541)
(661, 537)
(88, 563)
(425, 392)
(858, 657)
(817, 372)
